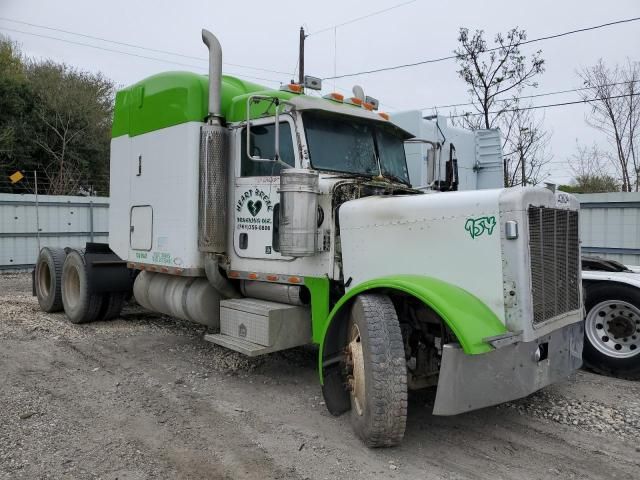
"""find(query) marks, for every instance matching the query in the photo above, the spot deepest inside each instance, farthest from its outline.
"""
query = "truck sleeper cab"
(280, 219)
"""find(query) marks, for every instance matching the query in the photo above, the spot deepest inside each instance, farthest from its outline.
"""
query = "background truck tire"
(612, 330)
(377, 371)
(48, 278)
(79, 304)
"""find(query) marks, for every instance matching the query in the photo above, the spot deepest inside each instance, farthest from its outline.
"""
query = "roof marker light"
(334, 96)
(353, 101)
(291, 87)
(384, 115)
(367, 106)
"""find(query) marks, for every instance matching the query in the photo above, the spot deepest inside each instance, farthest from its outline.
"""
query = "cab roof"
(172, 98)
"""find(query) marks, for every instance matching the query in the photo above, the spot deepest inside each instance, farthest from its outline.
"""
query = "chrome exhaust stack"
(215, 75)
(214, 161)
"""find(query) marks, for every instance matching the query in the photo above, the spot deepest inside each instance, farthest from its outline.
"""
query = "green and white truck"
(282, 219)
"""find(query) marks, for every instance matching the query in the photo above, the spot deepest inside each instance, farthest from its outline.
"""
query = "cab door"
(256, 206)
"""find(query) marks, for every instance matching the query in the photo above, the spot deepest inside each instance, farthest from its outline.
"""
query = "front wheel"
(376, 371)
(612, 330)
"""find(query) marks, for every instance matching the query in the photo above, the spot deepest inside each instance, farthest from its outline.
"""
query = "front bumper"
(469, 382)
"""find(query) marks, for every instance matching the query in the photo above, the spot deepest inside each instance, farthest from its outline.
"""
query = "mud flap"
(470, 382)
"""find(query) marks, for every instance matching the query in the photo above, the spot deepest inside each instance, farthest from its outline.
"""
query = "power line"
(101, 39)
(200, 67)
(535, 107)
(558, 92)
(353, 20)
(452, 57)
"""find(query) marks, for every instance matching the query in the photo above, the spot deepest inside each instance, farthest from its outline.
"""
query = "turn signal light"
(295, 280)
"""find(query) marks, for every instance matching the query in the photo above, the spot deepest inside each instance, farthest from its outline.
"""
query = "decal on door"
(253, 210)
(478, 226)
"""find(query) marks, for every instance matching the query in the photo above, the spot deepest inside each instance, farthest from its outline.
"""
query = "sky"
(264, 36)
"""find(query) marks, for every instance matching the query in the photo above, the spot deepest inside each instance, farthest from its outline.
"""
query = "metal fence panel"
(64, 221)
(610, 225)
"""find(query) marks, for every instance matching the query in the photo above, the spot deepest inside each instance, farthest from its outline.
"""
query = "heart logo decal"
(254, 207)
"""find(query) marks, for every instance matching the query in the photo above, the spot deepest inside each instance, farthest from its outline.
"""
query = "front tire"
(377, 372)
(612, 330)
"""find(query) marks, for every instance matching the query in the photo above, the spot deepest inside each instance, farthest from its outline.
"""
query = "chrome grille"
(555, 260)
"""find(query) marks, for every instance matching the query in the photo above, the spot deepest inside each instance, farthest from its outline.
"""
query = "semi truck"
(280, 218)
(450, 157)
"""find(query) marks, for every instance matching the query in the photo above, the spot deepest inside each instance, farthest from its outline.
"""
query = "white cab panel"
(454, 237)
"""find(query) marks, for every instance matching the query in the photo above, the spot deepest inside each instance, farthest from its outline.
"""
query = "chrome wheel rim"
(355, 360)
(613, 328)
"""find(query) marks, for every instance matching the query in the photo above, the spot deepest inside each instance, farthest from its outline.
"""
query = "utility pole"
(301, 57)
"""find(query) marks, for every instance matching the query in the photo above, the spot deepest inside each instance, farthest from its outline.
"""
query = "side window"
(262, 145)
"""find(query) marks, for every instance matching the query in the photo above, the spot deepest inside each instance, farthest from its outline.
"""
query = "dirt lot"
(145, 397)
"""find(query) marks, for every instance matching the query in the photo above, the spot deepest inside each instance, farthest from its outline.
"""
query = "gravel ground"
(144, 396)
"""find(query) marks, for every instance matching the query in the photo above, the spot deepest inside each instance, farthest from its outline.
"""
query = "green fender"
(468, 317)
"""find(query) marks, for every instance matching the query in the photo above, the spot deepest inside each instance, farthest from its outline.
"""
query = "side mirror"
(276, 148)
(256, 99)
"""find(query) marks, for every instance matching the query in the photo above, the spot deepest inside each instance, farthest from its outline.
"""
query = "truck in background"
(450, 158)
(282, 219)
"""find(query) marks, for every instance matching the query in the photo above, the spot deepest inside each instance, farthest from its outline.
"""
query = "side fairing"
(154, 186)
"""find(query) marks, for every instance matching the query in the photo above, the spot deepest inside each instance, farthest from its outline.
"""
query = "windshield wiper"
(396, 178)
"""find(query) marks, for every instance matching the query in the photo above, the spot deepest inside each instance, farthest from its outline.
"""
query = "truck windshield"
(350, 145)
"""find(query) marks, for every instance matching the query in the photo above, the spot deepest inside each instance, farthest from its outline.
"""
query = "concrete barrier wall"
(64, 221)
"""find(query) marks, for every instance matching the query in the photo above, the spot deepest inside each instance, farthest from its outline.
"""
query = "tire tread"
(387, 419)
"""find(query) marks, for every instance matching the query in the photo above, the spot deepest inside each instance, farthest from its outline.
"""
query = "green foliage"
(592, 184)
(16, 105)
(55, 120)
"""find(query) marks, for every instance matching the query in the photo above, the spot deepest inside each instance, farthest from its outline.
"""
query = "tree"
(525, 148)
(16, 107)
(614, 96)
(495, 77)
(493, 72)
(55, 120)
(589, 166)
(74, 114)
